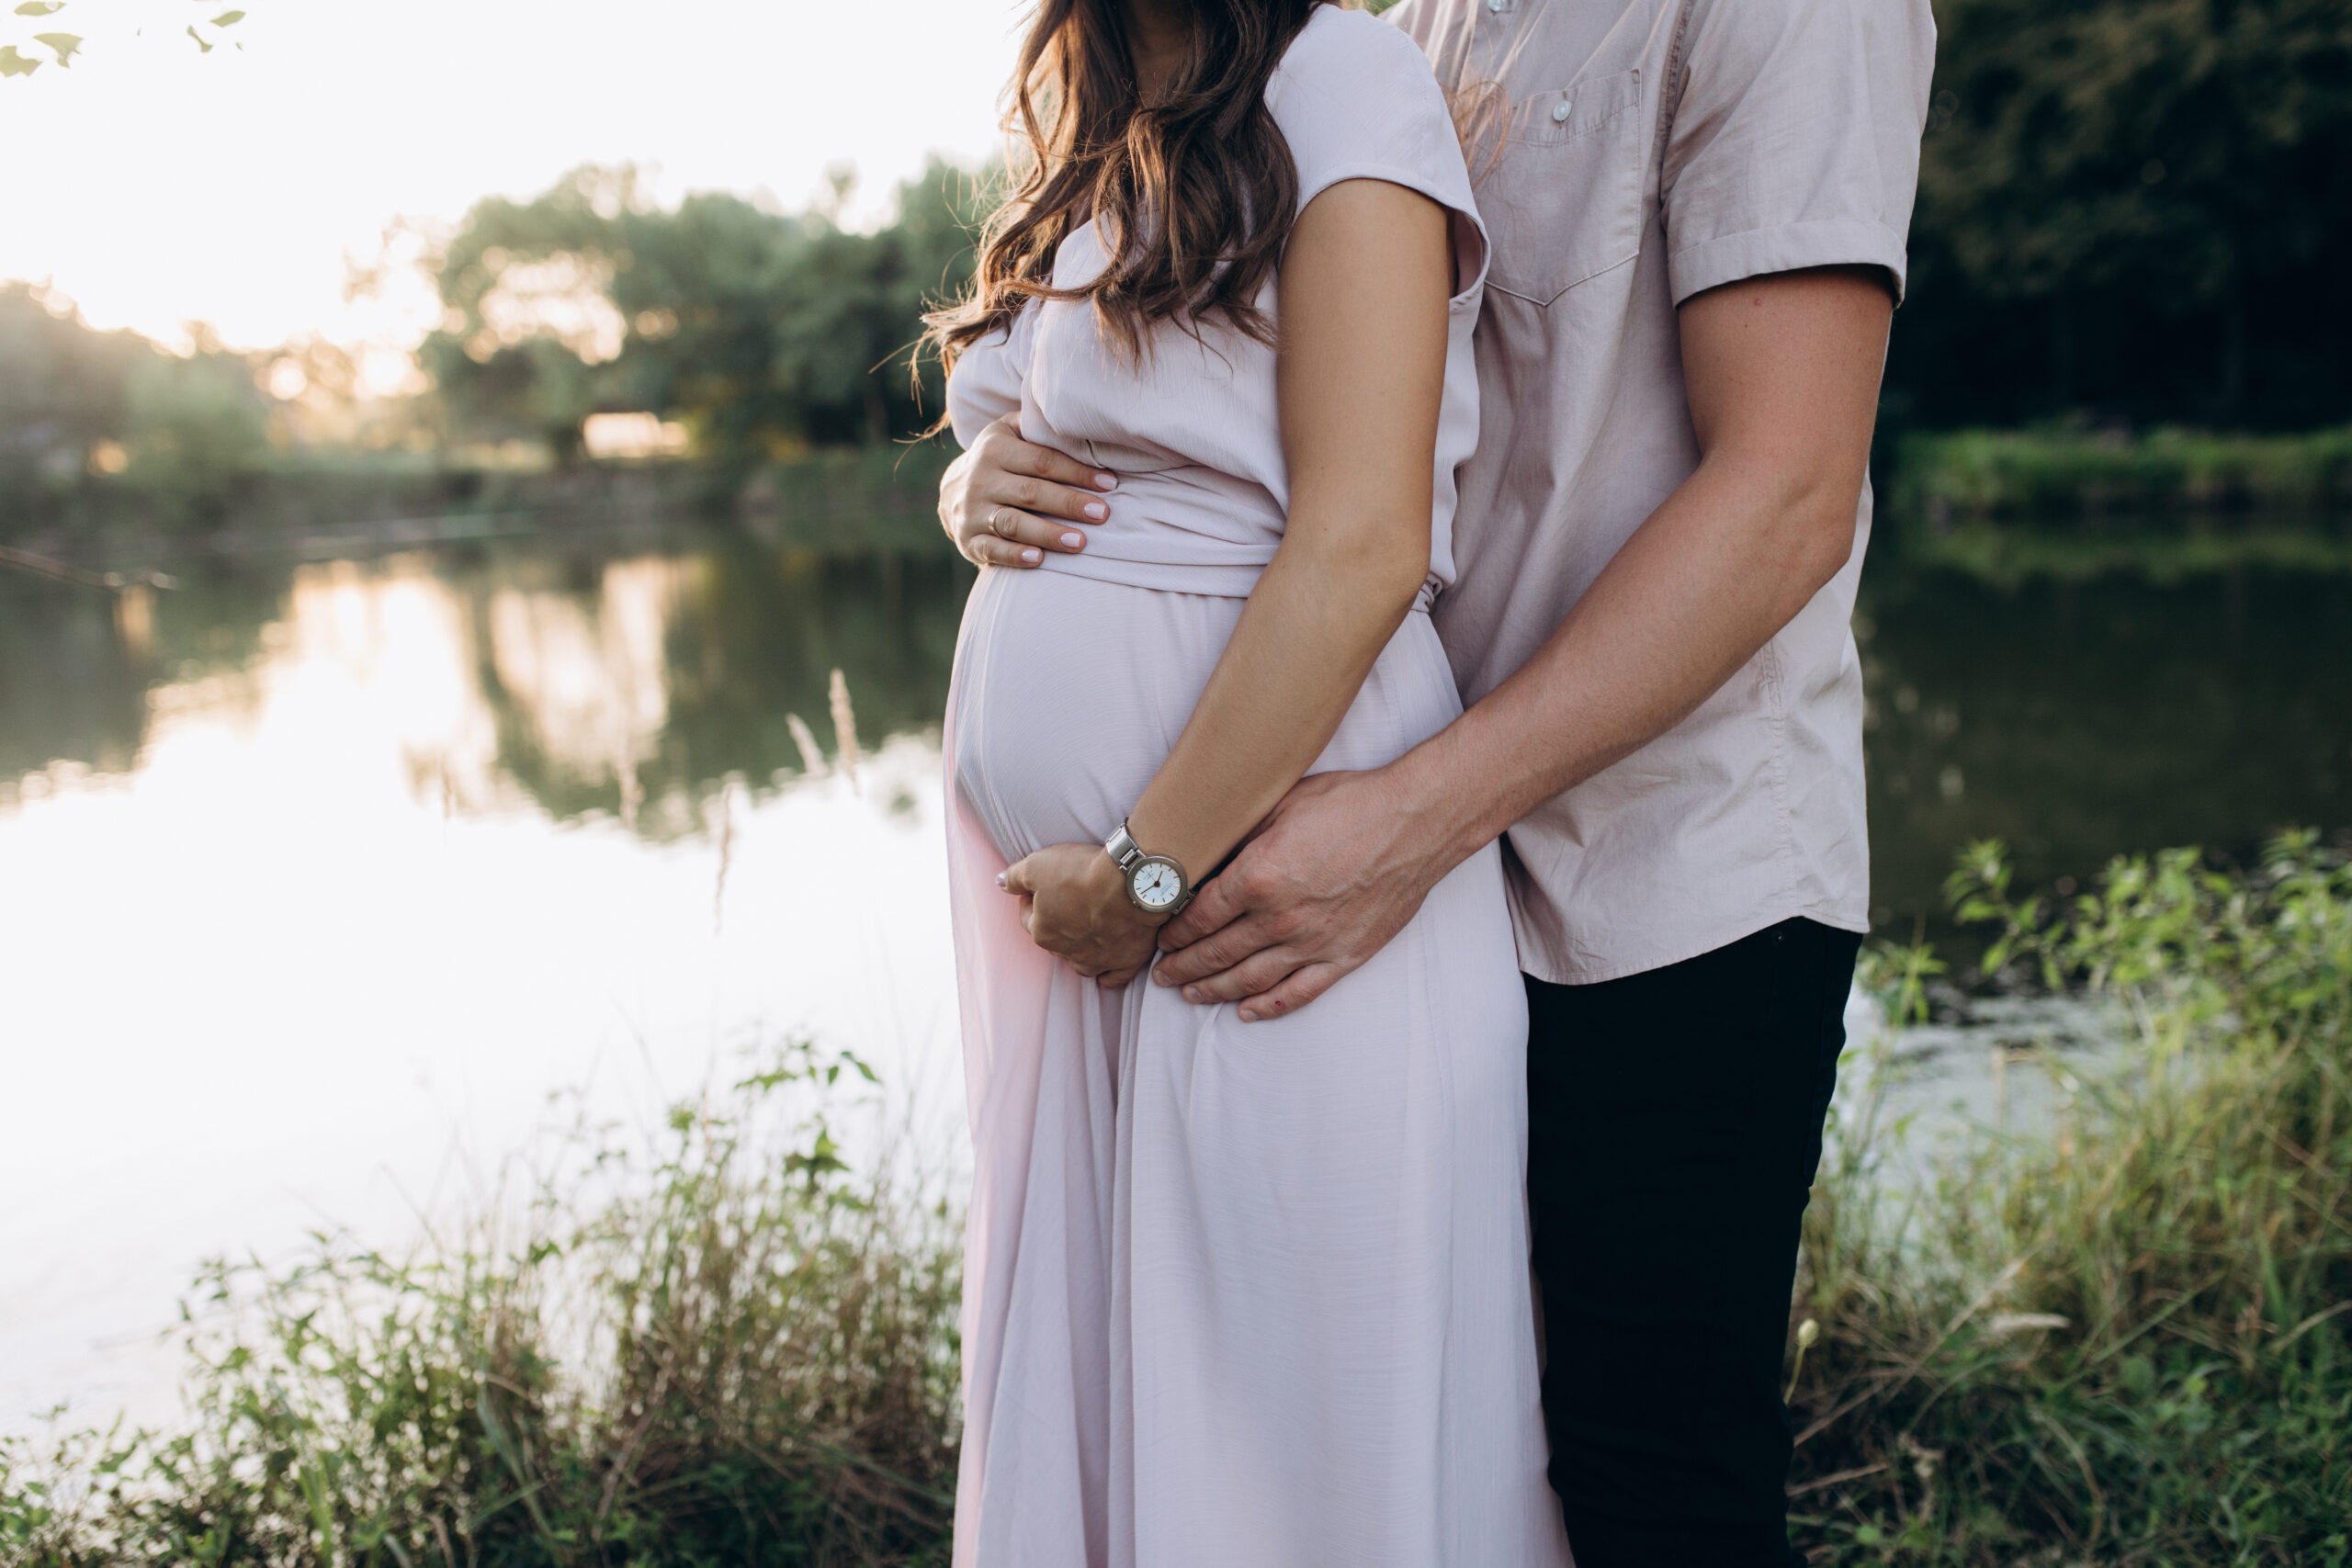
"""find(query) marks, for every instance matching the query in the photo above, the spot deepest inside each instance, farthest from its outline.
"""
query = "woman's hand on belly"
(1074, 906)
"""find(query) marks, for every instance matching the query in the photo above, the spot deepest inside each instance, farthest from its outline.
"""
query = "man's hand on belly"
(1333, 873)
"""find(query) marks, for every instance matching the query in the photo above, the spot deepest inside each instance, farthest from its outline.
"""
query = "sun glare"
(254, 176)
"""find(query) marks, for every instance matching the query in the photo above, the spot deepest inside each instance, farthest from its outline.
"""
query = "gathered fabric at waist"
(1188, 529)
(1210, 579)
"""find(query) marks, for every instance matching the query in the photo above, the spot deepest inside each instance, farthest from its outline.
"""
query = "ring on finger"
(996, 520)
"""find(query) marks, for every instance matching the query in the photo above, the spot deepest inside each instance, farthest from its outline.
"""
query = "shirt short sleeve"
(1356, 99)
(1794, 137)
(987, 382)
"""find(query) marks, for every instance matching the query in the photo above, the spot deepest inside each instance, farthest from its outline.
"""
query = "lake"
(317, 877)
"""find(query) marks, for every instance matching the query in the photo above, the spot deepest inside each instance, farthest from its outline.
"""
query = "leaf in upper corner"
(40, 7)
(15, 64)
(228, 18)
(200, 42)
(66, 45)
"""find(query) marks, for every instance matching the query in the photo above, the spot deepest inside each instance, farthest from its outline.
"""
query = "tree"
(2152, 199)
(63, 46)
(763, 332)
(81, 407)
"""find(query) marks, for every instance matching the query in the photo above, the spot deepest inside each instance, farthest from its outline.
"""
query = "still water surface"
(315, 879)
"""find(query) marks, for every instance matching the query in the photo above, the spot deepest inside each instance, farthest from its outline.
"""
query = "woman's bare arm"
(1361, 371)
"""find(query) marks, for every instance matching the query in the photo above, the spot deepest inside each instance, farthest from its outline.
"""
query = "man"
(1698, 210)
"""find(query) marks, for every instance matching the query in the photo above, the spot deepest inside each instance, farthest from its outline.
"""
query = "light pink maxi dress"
(1236, 1296)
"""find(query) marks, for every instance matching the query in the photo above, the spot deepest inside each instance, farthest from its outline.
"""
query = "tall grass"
(2126, 1339)
(723, 1349)
(2122, 1340)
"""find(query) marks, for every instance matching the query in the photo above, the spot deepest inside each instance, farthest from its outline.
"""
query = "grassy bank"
(849, 502)
(2080, 480)
(2127, 1342)
(2073, 504)
(2000, 505)
(719, 1349)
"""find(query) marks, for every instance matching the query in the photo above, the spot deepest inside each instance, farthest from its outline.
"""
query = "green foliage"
(77, 405)
(2126, 1342)
(64, 46)
(725, 1350)
(2140, 145)
(195, 428)
(764, 334)
(2063, 475)
(62, 388)
(2135, 203)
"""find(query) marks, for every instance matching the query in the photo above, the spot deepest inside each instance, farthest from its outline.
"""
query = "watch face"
(1156, 885)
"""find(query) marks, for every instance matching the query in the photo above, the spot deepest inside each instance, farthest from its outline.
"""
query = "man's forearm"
(1726, 561)
(1783, 376)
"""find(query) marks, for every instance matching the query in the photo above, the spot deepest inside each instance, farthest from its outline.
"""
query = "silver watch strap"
(1121, 848)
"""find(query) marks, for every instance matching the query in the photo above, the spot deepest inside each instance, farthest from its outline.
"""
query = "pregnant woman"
(1240, 1289)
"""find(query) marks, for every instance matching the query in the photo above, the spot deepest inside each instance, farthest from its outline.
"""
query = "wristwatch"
(1155, 884)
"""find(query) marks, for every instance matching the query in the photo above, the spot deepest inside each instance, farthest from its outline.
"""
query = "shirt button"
(1560, 111)
(1498, 5)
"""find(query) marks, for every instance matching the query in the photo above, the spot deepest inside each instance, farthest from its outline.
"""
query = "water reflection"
(314, 884)
(2074, 720)
(315, 878)
(2079, 721)
(587, 685)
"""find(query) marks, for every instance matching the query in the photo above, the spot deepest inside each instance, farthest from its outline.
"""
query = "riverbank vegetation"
(719, 1347)
(746, 357)
(2123, 1338)
(2075, 502)
(2081, 481)
(2130, 217)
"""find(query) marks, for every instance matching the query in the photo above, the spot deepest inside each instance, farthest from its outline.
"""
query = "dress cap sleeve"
(987, 382)
(1357, 100)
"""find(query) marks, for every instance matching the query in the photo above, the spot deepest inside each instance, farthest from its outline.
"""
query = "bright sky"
(154, 186)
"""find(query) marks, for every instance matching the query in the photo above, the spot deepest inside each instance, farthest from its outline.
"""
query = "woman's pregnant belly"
(1069, 692)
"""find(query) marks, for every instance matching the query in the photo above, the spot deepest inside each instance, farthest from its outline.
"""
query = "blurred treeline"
(2138, 210)
(76, 405)
(763, 333)
(766, 335)
(2133, 214)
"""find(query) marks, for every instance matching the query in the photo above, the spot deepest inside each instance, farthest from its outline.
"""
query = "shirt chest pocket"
(1564, 199)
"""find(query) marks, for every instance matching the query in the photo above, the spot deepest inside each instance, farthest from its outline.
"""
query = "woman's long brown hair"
(1192, 193)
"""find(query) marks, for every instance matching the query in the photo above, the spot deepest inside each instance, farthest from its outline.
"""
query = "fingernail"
(1096, 510)
(1106, 481)
(1000, 878)
(1191, 993)
(1248, 1017)
(1071, 541)
(1031, 556)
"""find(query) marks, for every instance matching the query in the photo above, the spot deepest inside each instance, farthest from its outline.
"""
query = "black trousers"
(1674, 1127)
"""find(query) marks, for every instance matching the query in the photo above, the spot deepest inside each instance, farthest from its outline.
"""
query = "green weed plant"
(728, 1350)
(2125, 1340)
